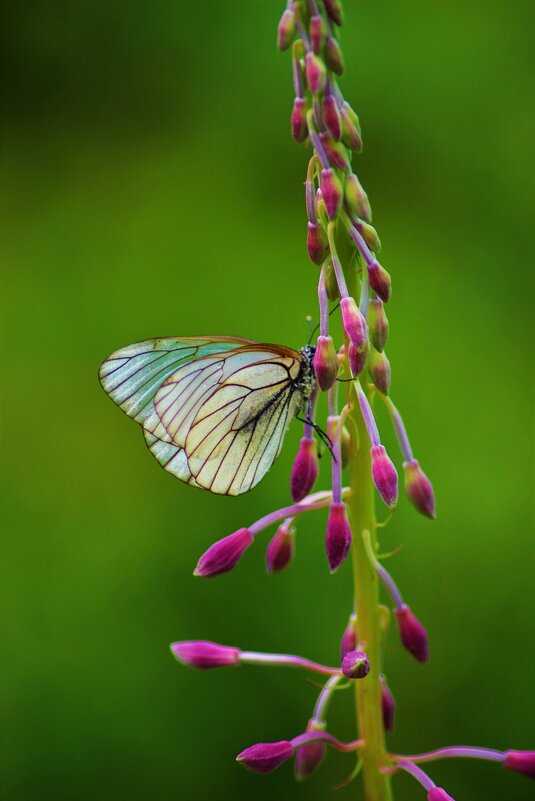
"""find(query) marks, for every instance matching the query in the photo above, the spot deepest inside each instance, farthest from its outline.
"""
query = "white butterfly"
(214, 410)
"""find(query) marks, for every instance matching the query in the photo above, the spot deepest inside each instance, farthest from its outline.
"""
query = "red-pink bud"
(331, 117)
(338, 538)
(224, 554)
(331, 190)
(333, 55)
(265, 757)
(379, 369)
(304, 470)
(351, 135)
(355, 665)
(286, 30)
(325, 363)
(315, 72)
(377, 323)
(412, 633)
(281, 549)
(309, 756)
(380, 281)
(387, 705)
(349, 639)
(384, 475)
(334, 11)
(317, 243)
(317, 30)
(438, 794)
(203, 655)
(299, 120)
(336, 152)
(418, 488)
(354, 322)
(357, 199)
(521, 762)
(357, 358)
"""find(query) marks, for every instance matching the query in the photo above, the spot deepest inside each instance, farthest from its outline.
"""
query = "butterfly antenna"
(312, 329)
(324, 437)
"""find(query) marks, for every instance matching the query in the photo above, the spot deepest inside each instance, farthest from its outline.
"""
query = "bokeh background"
(150, 187)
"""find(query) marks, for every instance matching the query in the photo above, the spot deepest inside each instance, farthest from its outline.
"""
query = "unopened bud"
(317, 242)
(355, 665)
(351, 135)
(265, 757)
(438, 794)
(412, 634)
(304, 470)
(325, 363)
(331, 190)
(299, 120)
(377, 323)
(286, 30)
(357, 357)
(309, 756)
(320, 208)
(371, 237)
(317, 30)
(521, 762)
(357, 199)
(315, 72)
(380, 281)
(331, 117)
(333, 55)
(334, 11)
(204, 655)
(331, 284)
(336, 152)
(338, 539)
(281, 549)
(379, 369)
(224, 554)
(418, 488)
(354, 322)
(388, 706)
(384, 476)
(345, 447)
(349, 638)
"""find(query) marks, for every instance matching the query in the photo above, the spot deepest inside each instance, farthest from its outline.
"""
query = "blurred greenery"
(150, 187)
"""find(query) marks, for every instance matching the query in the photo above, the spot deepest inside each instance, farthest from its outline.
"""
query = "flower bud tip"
(203, 655)
(338, 539)
(419, 489)
(305, 469)
(280, 550)
(224, 554)
(384, 476)
(521, 762)
(325, 362)
(412, 634)
(265, 757)
(355, 665)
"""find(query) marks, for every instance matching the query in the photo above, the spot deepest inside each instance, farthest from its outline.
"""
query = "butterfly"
(214, 410)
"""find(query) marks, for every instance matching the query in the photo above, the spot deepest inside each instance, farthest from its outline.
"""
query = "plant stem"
(377, 786)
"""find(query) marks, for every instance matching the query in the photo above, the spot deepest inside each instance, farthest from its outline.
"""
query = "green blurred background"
(150, 187)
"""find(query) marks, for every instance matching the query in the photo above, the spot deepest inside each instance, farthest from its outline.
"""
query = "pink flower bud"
(412, 634)
(265, 757)
(331, 117)
(349, 638)
(384, 476)
(304, 470)
(387, 705)
(357, 358)
(380, 281)
(334, 11)
(299, 120)
(355, 665)
(224, 554)
(438, 794)
(351, 129)
(317, 30)
(336, 152)
(333, 55)
(353, 322)
(521, 762)
(309, 756)
(357, 199)
(338, 538)
(325, 363)
(331, 190)
(203, 655)
(379, 369)
(418, 488)
(315, 73)
(317, 243)
(377, 323)
(286, 30)
(281, 549)
(370, 236)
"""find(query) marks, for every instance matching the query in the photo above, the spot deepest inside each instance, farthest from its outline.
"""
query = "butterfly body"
(214, 410)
